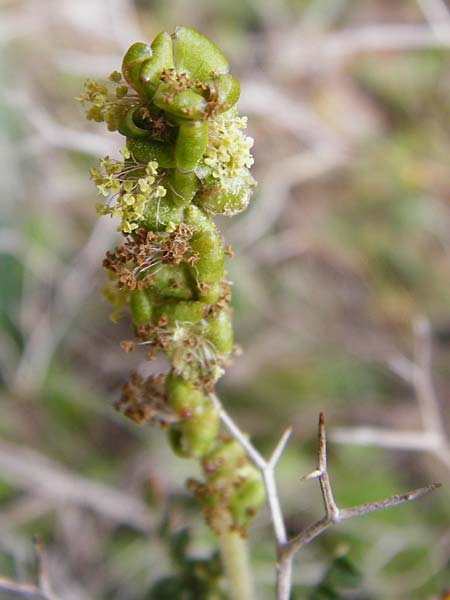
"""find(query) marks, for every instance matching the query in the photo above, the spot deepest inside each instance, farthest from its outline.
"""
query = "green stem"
(235, 558)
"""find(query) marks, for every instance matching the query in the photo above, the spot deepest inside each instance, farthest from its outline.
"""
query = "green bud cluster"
(186, 159)
(232, 487)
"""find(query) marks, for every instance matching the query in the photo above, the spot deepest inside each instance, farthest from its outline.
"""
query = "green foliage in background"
(316, 321)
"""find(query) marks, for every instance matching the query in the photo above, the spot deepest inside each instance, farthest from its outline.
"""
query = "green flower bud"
(219, 330)
(195, 434)
(183, 396)
(197, 55)
(219, 200)
(174, 281)
(227, 89)
(186, 104)
(128, 127)
(207, 242)
(158, 214)
(221, 463)
(246, 498)
(232, 480)
(180, 311)
(152, 150)
(191, 143)
(141, 307)
(210, 293)
(183, 186)
(132, 63)
(161, 59)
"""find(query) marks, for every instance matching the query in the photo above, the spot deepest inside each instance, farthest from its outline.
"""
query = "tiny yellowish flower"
(129, 186)
(152, 168)
(115, 76)
(129, 199)
(143, 184)
(125, 152)
(121, 91)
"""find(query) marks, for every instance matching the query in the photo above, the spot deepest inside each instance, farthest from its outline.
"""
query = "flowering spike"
(185, 158)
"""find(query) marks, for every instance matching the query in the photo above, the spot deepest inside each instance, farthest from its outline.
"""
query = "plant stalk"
(236, 563)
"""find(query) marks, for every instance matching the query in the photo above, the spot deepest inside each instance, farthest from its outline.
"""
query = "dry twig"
(73, 284)
(42, 590)
(287, 548)
(417, 372)
(45, 478)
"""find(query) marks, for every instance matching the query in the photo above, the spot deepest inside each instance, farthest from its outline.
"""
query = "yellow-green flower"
(129, 187)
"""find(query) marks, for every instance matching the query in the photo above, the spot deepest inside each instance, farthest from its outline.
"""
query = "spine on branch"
(185, 160)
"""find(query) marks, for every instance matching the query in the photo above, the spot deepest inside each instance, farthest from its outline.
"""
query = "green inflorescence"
(186, 159)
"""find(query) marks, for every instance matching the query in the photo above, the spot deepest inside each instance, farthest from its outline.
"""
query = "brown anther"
(228, 250)
(163, 320)
(168, 98)
(210, 466)
(128, 345)
(151, 354)
(143, 400)
(192, 259)
(186, 413)
(203, 288)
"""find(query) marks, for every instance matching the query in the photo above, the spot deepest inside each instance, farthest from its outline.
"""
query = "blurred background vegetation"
(344, 248)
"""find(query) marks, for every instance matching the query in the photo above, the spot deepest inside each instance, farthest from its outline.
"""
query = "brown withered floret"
(203, 287)
(224, 298)
(228, 251)
(157, 337)
(188, 110)
(158, 126)
(128, 345)
(216, 513)
(178, 81)
(134, 261)
(144, 400)
(201, 86)
(163, 320)
(193, 357)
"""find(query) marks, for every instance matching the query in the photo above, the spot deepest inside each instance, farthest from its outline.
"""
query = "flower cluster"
(134, 262)
(144, 399)
(108, 102)
(186, 158)
(224, 167)
(232, 487)
(227, 155)
(191, 352)
(129, 186)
